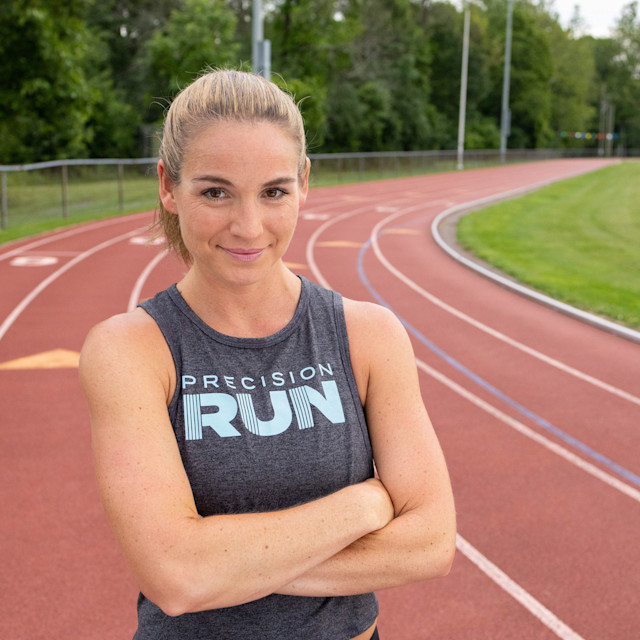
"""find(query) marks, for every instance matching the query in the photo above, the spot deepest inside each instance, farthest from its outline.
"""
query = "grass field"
(577, 240)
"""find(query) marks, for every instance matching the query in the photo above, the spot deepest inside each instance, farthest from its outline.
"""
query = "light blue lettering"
(325, 370)
(188, 380)
(281, 414)
(246, 385)
(220, 421)
(309, 375)
(210, 381)
(330, 405)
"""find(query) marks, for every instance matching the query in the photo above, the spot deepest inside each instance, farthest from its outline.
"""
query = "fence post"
(120, 187)
(65, 180)
(3, 213)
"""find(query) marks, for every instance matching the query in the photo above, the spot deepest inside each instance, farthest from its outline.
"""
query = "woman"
(236, 416)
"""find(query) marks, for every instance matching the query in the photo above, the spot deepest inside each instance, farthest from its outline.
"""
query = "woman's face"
(238, 199)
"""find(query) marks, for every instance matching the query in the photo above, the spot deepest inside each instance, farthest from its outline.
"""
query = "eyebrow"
(270, 183)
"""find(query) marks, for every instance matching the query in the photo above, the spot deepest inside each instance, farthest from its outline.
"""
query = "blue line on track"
(541, 422)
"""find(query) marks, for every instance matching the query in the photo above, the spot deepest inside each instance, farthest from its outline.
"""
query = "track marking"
(541, 422)
(518, 426)
(550, 620)
(403, 231)
(147, 241)
(589, 318)
(33, 261)
(26, 301)
(54, 359)
(314, 216)
(341, 243)
(134, 298)
(62, 254)
(483, 327)
(495, 574)
(80, 228)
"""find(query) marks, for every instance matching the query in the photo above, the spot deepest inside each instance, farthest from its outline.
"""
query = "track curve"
(538, 415)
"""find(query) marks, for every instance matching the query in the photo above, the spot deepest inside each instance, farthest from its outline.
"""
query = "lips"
(244, 255)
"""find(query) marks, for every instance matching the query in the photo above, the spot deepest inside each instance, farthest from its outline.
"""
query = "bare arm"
(420, 542)
(182, 561)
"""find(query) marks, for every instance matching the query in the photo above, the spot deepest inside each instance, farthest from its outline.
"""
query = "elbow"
(179, 592)
(169, 595)
(445, 560)
(437, 559)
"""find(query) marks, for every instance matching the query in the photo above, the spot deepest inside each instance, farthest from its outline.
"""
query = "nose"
(246, 220)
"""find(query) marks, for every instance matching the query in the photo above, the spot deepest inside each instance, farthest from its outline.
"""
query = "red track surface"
(548, 534)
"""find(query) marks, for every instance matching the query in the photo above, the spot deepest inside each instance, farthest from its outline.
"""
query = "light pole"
(463, 86)
(505, 120)
(260, 48)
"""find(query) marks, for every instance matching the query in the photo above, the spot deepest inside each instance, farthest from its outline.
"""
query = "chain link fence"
(83, 188)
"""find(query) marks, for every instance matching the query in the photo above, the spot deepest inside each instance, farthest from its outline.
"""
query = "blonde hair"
(220, 95)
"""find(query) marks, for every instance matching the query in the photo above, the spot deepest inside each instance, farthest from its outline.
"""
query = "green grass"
(34, 202)
(35, 197)
(577, 240)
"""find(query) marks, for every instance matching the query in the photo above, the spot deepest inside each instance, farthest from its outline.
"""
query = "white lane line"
(62, 254)
(313, 240)
(134, 298)
(483, 327)
(549, 619)
(518, 426)
(13, 316)
(495, 574)
(80, 228)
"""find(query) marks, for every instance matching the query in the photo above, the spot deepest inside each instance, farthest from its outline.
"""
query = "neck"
(253, 310)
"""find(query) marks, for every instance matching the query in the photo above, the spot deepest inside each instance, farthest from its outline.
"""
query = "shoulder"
(124, 346)
(369, 324)
(379, 346)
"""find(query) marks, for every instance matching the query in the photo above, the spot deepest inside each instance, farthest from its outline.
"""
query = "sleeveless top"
(264, 424)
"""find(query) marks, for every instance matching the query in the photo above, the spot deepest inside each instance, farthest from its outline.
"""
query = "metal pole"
(610, 129)
(65, 180)
(265, 59)
(602, 132)
(505, 121)
(463, 88)
(120, 187)
(3, 214)
(257, 35)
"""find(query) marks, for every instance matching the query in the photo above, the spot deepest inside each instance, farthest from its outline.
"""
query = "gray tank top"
(265, 424)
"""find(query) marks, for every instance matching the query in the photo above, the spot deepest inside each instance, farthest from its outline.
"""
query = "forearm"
(407, 550)
(225, 560)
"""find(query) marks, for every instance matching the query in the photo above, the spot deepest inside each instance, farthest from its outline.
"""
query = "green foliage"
(83, 77)
(46, 99)
(197, 36)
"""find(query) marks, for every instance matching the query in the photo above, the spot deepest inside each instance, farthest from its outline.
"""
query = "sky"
(599, 15)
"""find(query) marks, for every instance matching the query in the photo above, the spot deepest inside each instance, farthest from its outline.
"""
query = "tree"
(199, 35)
(46, 99)
(623, 78)
(572, 79)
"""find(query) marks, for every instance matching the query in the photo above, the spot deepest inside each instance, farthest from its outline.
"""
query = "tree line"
(92, 78)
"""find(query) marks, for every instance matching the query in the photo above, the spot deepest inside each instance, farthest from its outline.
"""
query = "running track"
(538, 414)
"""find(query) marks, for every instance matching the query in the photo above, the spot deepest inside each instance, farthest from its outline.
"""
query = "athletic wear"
(265, 424)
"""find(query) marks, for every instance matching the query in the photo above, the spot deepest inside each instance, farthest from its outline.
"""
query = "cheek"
(287, 223)
(197, 226)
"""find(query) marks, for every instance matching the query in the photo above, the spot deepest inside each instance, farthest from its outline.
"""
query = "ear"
(165, 189)
(304, 183)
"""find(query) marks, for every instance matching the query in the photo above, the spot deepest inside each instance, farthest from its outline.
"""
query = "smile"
(244, 255)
